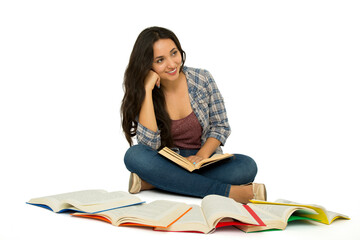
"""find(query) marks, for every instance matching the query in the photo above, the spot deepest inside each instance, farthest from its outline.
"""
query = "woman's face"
(167, 59)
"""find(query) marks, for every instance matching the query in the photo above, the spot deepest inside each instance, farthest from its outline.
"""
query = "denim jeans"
(163, 174)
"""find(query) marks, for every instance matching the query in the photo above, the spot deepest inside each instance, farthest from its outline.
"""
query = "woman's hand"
(152, 79)
(194, 159)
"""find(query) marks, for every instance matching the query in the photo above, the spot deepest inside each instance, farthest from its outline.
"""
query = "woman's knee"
(249, 168)
(252, 166)
(135, 157)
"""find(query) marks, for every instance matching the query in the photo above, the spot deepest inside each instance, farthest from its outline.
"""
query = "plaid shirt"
(208, 106)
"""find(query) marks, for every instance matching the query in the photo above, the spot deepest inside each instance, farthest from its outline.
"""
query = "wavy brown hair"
(140, 63)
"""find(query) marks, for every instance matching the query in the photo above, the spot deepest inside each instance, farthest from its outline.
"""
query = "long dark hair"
(140, 63)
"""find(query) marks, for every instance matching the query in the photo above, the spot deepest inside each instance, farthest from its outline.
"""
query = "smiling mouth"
(173, 71)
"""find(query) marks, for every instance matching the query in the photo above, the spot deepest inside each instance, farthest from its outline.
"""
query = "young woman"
(169, 104)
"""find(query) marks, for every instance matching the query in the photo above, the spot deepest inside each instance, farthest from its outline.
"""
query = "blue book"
(86, 201)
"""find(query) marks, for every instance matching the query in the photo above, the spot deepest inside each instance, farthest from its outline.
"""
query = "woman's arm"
(147, 132)
(208, 148)
(219, 123)
(147, 113)
(219, 128)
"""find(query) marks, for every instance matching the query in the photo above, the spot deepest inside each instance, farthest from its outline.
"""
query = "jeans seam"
(227, 190)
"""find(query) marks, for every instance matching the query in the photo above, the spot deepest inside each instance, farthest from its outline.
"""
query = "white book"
(90, 201)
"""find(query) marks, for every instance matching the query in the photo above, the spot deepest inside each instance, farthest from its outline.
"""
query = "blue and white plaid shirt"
(208, 106)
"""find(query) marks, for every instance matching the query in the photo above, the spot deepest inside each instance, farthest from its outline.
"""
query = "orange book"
(159, 213)
(215, 211)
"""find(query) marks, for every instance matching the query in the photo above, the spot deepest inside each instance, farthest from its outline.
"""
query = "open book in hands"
(89, 201)
(183, 162)
(215, 211)
(159, 213)
(277, 214)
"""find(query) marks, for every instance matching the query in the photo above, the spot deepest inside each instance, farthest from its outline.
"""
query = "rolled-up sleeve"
(148, 137)
(219, 124)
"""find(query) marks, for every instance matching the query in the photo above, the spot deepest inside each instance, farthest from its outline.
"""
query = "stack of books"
(123, 209)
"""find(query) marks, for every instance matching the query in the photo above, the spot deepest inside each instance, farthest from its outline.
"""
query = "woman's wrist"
(148, 92)
(203, 154)
(208, 148)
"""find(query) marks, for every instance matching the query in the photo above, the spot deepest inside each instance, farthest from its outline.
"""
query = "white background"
(288, 70)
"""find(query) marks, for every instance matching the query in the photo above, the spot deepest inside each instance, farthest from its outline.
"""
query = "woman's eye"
(159, 60)
(174, 53)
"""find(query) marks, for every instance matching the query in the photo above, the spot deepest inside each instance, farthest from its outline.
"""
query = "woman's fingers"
(194, 159)
(152, 79)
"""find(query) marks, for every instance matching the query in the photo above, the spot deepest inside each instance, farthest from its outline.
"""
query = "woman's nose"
(171, 64)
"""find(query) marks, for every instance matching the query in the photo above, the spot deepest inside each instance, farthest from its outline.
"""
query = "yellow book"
(183, 162)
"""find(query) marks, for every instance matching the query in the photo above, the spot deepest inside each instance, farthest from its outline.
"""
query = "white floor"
(288, 70)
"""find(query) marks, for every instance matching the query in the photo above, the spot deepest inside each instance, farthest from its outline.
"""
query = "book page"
(88, 197)
(93, 203)
(60, 201)
(299, 204)
(263, 214)
(78, 195)
(334, 215)
(112, 215)
(171, 154)
(176, 158)
(274, 216)
(157, 213)
(217, 207)
(320, 212)
(95, 198)
(194, 220)
(183, 162)
(213, 159)
(195, 215)
(277, 212)
(156, 210)
(108, 197)
(88, 200)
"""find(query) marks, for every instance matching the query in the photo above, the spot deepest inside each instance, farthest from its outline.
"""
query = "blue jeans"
(163, 174)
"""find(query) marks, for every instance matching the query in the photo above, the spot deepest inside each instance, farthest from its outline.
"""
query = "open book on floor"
(183, 162)
(215, 211)
(277, 214)
(90, 201)
(159, 213)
